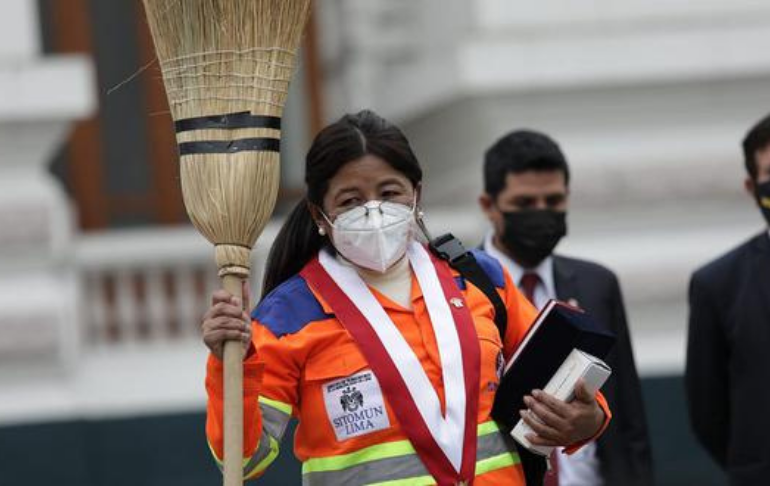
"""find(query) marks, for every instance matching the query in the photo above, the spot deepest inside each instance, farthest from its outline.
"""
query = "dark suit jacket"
(728, 360)
(624, 449)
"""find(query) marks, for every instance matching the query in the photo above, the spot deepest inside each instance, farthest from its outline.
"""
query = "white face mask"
(374, 235)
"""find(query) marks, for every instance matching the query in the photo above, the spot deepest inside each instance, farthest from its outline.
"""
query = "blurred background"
(103, 281)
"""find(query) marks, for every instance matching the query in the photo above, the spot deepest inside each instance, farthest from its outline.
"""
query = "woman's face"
(361, 180)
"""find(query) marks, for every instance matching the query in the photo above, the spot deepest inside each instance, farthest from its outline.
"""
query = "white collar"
(544, 270)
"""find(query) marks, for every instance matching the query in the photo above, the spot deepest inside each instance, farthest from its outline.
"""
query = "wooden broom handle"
(233, 411)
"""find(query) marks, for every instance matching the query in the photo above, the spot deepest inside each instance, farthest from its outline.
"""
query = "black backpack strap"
(449, 248)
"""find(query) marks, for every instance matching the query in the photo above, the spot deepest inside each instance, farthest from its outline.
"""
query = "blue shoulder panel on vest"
(491, 267)
(289, 308)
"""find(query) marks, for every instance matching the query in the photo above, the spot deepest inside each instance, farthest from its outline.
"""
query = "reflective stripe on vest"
(396, 463)
(275, 417)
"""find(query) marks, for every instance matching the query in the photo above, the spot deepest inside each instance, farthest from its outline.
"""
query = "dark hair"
(521, 151)
(757, 139)
(350, 138)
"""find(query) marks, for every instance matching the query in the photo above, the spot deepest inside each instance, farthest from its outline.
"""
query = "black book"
(557, 330)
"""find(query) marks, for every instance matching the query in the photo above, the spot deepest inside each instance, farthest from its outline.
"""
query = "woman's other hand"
(226, 320)
(558, 423)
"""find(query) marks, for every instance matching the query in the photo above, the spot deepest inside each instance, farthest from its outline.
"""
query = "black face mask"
(762, 192)
(531, 235)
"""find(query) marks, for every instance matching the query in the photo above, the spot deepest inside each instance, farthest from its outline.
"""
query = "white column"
(39, 99)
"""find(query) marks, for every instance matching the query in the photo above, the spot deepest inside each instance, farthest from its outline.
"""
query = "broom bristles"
(222, 57)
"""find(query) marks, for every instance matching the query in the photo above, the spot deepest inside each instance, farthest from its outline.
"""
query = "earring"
(420, 214)
(321, 231)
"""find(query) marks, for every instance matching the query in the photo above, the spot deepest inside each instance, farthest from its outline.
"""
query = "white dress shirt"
(582, 467)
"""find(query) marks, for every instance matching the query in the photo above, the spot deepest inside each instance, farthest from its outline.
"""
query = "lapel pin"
(574, 303)
(456, 302)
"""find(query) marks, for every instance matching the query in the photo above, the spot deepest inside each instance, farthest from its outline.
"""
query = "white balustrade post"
(126, 306)
(95, 303)
(156, 304)
(186, 305)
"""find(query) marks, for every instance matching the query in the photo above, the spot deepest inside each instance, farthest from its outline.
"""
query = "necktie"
(528, 284)
(551, 477)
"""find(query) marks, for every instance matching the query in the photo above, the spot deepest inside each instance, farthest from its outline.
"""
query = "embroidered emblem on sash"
(355, 405)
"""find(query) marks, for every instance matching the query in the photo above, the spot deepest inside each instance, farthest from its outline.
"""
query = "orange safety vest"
(306, 365)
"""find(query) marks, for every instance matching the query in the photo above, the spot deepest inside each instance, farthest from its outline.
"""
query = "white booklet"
(578, 364)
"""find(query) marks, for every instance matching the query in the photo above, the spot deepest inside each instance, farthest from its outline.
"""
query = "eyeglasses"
(364, 210)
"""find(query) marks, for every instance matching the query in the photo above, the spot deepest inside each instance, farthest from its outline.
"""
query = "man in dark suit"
(728, 349)
(526, 183)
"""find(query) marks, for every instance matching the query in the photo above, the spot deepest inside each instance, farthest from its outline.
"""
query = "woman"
(387, 358)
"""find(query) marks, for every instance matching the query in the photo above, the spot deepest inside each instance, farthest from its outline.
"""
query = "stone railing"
(150, 284)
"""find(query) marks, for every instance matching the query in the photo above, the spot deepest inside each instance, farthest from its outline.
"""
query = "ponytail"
(296, 244)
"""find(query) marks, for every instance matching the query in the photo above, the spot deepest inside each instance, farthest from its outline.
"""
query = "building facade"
(103, 283)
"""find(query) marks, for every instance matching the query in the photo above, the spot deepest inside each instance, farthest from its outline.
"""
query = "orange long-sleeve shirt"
(306, 365)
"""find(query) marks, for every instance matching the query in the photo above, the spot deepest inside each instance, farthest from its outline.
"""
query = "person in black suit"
(526, 184)
(728, 351)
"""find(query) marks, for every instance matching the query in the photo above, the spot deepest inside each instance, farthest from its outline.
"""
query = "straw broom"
(226, 67)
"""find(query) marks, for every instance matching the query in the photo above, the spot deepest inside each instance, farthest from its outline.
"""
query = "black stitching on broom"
(231, 146)
(229, 121)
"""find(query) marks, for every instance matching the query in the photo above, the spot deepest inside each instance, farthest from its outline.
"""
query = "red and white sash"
(445, 442)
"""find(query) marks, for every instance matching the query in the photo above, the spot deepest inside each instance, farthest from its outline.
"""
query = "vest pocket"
(335, 362)
(341, 392)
